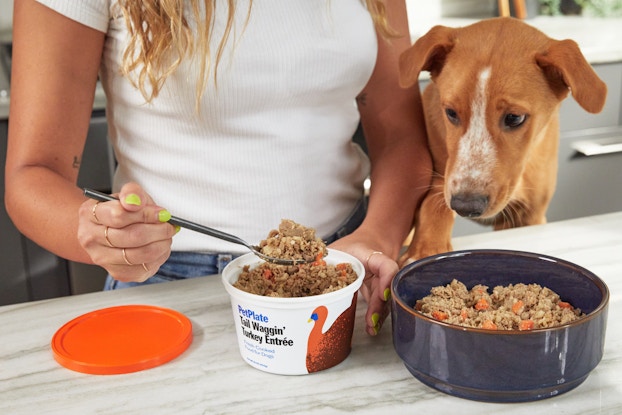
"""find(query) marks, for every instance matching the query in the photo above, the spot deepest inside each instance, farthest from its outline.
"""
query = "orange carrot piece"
(489, 325)
(319, 260)
(482, 304)
(517, 306)
(440, 315)
(564, 304)
(526, 325)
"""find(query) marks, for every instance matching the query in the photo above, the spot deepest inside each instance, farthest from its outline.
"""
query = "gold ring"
(125, 257)
(145, 267)
(106, 237)
(95, 214)
(369, 256)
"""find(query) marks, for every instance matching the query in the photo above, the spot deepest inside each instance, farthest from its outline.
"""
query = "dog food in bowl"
(499, 365)
(512, 307)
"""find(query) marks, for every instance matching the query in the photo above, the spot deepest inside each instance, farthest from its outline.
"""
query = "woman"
(234, 114)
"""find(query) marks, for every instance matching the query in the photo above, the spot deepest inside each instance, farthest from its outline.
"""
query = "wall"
(6, 15)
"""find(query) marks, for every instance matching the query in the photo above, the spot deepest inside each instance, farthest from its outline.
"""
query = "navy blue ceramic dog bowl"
(499, 366)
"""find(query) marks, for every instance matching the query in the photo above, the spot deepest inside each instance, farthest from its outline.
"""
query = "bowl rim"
(253, 260)
(508, 252)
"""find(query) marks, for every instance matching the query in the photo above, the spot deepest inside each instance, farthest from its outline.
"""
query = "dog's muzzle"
(469, 205)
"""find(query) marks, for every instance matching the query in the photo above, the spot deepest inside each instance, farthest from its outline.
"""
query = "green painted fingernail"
(387, 294)
(133, 199)
(177, 228)
(375, 318)
(164, 215)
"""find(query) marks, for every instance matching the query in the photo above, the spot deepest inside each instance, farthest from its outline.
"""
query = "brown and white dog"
(491, 115)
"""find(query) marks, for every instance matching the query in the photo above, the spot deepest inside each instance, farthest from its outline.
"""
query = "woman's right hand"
(129, 238)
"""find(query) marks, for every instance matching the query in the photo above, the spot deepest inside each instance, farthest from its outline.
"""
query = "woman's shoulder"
(93, 13)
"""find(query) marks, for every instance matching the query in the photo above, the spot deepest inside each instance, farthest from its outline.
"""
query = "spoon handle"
(103, 197)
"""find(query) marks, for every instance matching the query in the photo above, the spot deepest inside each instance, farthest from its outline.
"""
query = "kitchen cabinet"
(574, 118)
(590, 184)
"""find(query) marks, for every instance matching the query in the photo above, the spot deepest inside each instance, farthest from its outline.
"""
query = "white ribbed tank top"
(272, 140)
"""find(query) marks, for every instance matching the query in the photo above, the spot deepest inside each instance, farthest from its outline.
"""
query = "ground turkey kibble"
(512, 307)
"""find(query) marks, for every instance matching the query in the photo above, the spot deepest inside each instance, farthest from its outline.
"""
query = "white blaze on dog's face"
(476, 155)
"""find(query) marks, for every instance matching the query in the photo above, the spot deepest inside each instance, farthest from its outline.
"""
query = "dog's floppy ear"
(427, 54)
(564, 63)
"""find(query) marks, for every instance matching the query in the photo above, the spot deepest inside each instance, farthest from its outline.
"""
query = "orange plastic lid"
(122, 339)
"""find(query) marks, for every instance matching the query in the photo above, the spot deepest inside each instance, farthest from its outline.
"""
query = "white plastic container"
(294, 336)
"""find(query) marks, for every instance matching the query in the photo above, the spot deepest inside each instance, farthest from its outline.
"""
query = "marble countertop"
(211, 377)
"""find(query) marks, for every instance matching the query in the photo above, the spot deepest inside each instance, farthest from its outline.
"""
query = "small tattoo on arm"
(361, 99)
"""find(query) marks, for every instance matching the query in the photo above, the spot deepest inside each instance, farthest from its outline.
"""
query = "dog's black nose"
(469, 205)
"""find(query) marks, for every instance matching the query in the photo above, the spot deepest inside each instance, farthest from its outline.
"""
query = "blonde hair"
(161, 38)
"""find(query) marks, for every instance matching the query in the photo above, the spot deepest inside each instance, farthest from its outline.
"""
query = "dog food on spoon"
(294, 241)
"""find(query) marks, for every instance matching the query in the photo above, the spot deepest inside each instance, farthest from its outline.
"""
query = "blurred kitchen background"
(590, 157)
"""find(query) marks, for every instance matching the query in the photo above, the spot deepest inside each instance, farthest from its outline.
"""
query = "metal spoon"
(103, 197)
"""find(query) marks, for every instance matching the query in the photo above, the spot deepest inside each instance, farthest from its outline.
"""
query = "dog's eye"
(452, 116)
(513, 120)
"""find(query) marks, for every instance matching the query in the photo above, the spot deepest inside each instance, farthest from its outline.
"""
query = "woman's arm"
(54, 71)
(394, 128)
(401, 168)
(54, 74)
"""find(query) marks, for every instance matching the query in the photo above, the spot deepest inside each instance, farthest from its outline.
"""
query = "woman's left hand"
(380, 268)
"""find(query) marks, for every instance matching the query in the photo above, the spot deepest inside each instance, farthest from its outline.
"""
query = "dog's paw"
(404, 260)
(409, 257)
